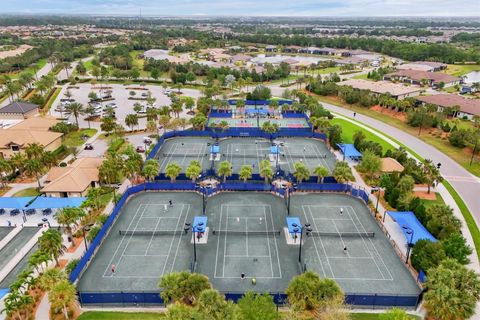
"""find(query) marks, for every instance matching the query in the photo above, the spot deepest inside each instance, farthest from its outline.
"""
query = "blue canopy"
(294, 225)
(349, 150)
(274, 150)
(50, 202)
(199, 223)
(259, 102)
(15, 203)
(215, 149)
(408, 221)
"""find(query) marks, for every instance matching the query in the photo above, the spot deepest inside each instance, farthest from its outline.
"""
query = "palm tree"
(172, 171)
(131, 120)
(225, 170)
(164, 121)
(321, 172)
(51, 277)
(62, 295)
(194, 170)
(301, 172)
(51, 243)
(17, 162)
(90, 111)
(246, 172)
(342, 172)
(151, 169)
(69, 216)
(34, 151)
(76, 109)
(5, 166)
(266, 171)
(33, 167)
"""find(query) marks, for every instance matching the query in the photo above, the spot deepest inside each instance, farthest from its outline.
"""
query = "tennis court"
(246, 151)
(253, 122)
(246, 235)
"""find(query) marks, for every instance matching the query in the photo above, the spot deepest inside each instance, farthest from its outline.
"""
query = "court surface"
(253, 123)
(237, 243)
(246, 151)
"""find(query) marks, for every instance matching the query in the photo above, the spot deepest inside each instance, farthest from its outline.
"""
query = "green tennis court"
(245, 235)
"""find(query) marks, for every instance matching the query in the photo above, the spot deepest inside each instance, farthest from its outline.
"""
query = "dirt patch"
(75, 243)
(426, 196)
(398, 115)
(15, 52)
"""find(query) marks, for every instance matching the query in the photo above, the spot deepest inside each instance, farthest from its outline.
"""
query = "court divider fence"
(153, 298)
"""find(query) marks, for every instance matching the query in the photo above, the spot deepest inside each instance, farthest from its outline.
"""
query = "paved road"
(467, 185)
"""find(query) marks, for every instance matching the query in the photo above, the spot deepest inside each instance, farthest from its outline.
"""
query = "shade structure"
(408, 222)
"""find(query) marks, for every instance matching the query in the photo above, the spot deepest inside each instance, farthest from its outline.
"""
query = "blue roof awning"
(199, 223)
(407, 220)
(51, 202)
(14, 202)
(274, 150)
(294, 225)
(349, 150)
(215, 149)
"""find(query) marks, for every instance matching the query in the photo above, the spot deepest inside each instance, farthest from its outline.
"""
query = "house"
(36, 124)
(234, 49)
(73, 180)
(310, 50)
(390, 165)
(435, 66)
(397, 91)
(291, 49)
(14, 141)
(271, 48)
(240, 58)
(19, 110)
(433, 79)
(427, 66)
(219, 57)
(252, 49)
(467, 107)
(159, 54)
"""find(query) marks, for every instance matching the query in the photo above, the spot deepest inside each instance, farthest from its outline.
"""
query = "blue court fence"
(153, 298)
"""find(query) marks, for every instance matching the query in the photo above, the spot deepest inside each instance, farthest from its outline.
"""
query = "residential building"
(271, 48)
(397, 91)
(15, 141)
(433, 79)
(73, 180)
(467, 107)
(19, 110)
(427, 66)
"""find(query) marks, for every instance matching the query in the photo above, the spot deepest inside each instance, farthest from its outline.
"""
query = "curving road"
(466, 184)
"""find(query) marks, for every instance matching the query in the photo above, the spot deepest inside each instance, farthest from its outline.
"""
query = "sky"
(322, 8)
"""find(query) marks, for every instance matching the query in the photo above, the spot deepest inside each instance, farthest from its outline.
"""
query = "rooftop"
(419, 75)
(380, 86)
(19, 107)
(471, 106)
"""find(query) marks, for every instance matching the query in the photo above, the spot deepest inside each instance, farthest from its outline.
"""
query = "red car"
(140, 149)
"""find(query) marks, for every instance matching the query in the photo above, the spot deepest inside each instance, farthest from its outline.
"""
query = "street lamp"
(378, 189)
(86, 229)
(202, 191)
(409, 243)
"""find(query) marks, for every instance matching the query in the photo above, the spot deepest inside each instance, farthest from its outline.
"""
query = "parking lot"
(120, 94)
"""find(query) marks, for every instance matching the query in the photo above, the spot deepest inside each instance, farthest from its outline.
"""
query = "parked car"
(112, 105)
(140, 149)
(46, 211)
(145, 94)
(147, 141)
(2, 211)
(167, 91)
(30, 212)
(88, 146)
(14, 212)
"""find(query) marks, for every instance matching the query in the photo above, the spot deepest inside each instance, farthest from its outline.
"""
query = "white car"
(111, 105)
(167, 91)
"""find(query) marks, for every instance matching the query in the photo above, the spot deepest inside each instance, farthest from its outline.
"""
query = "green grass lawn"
(29, 192)
(74, 139)
(429, 203)
(107, 315)
(460, 70)
(40, 64)
(361, 76)
(349, 129)
(53, 97)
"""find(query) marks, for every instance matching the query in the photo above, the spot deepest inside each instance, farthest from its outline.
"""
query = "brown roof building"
(417, 77)
(397, 91)
(73, 180)
(468, 107)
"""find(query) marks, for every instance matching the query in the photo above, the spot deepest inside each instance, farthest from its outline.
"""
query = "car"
(140, 149)
(167, 91)
(147, 141)
(191, 113)
(88, 146)
(14, 212)
(46, 211)
(112, 105)
(30, 212)
(145, 94)
(2, 211)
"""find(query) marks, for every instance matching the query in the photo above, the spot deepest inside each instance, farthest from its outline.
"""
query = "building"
(292, 49)
(397, 91)
(427, 66)
(19, 110)
(390, 165)
(467, 107)
(240, 58)
(36, 124)
(14, 141)
(159, 54)
(73, 180)
(432, 79)
(271, 48)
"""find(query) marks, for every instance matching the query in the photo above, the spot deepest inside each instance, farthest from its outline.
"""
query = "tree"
(452, 291)
(307, 291)
(164, 121)
(155, 73)
(255, 306)
(62, 295)
(199, 121)
(90, 111)
(131, 120)
(270, 128)
(427, 254)
(225, 170)
(76, 109)
(172, 171)
(33, 167)
(321, 172)
(69, 216)
(334, 135)
(151, 169)
(266, 171)
(405, 184)
(301, 172)
(108, 124)
(183, 287)
(394, 314)
(431, 174)
(179, 311)
(342, 172)
(260, 93)
(50, 242)
(245, 172)
(455, 246)
(194, 170)
(213, 305)
(370, 164)
(134, 73)
(441, 222)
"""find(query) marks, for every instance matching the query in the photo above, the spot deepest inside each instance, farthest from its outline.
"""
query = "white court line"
(148, 255)
(373, 245)
(244, 256)
(171, 242)
(316, 248)
(341, 238)
(333, 219)
(153, 234)
(179, 238)
(225, 244)
(121, 241)
(246, 236)
(276, 245)
(218, 241)
(268, 241)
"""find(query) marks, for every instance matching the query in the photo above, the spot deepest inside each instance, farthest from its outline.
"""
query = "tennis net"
(368, 234)
(151, 232)
(247, 233)
(185, 154)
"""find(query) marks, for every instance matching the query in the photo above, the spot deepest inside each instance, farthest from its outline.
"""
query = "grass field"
(50, 101)
(460, 70)
(74, 139)
(29, 192)
(362, 76)
(39, 65)
(429, 203)
(349, 129)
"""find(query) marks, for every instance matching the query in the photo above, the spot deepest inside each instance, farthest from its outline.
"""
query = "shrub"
(71, 265)
(64, 127)
(458, 138)
(427, 254)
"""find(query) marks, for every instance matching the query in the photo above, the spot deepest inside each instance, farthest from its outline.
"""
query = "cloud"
(249, 7)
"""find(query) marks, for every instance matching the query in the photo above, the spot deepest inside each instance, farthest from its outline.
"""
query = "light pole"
(196, 228)
(378, 189)
(202, 191)
(296, 230)
(86, 228)
(409, 243)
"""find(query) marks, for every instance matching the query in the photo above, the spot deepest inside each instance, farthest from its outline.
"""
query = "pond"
(472, 77)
